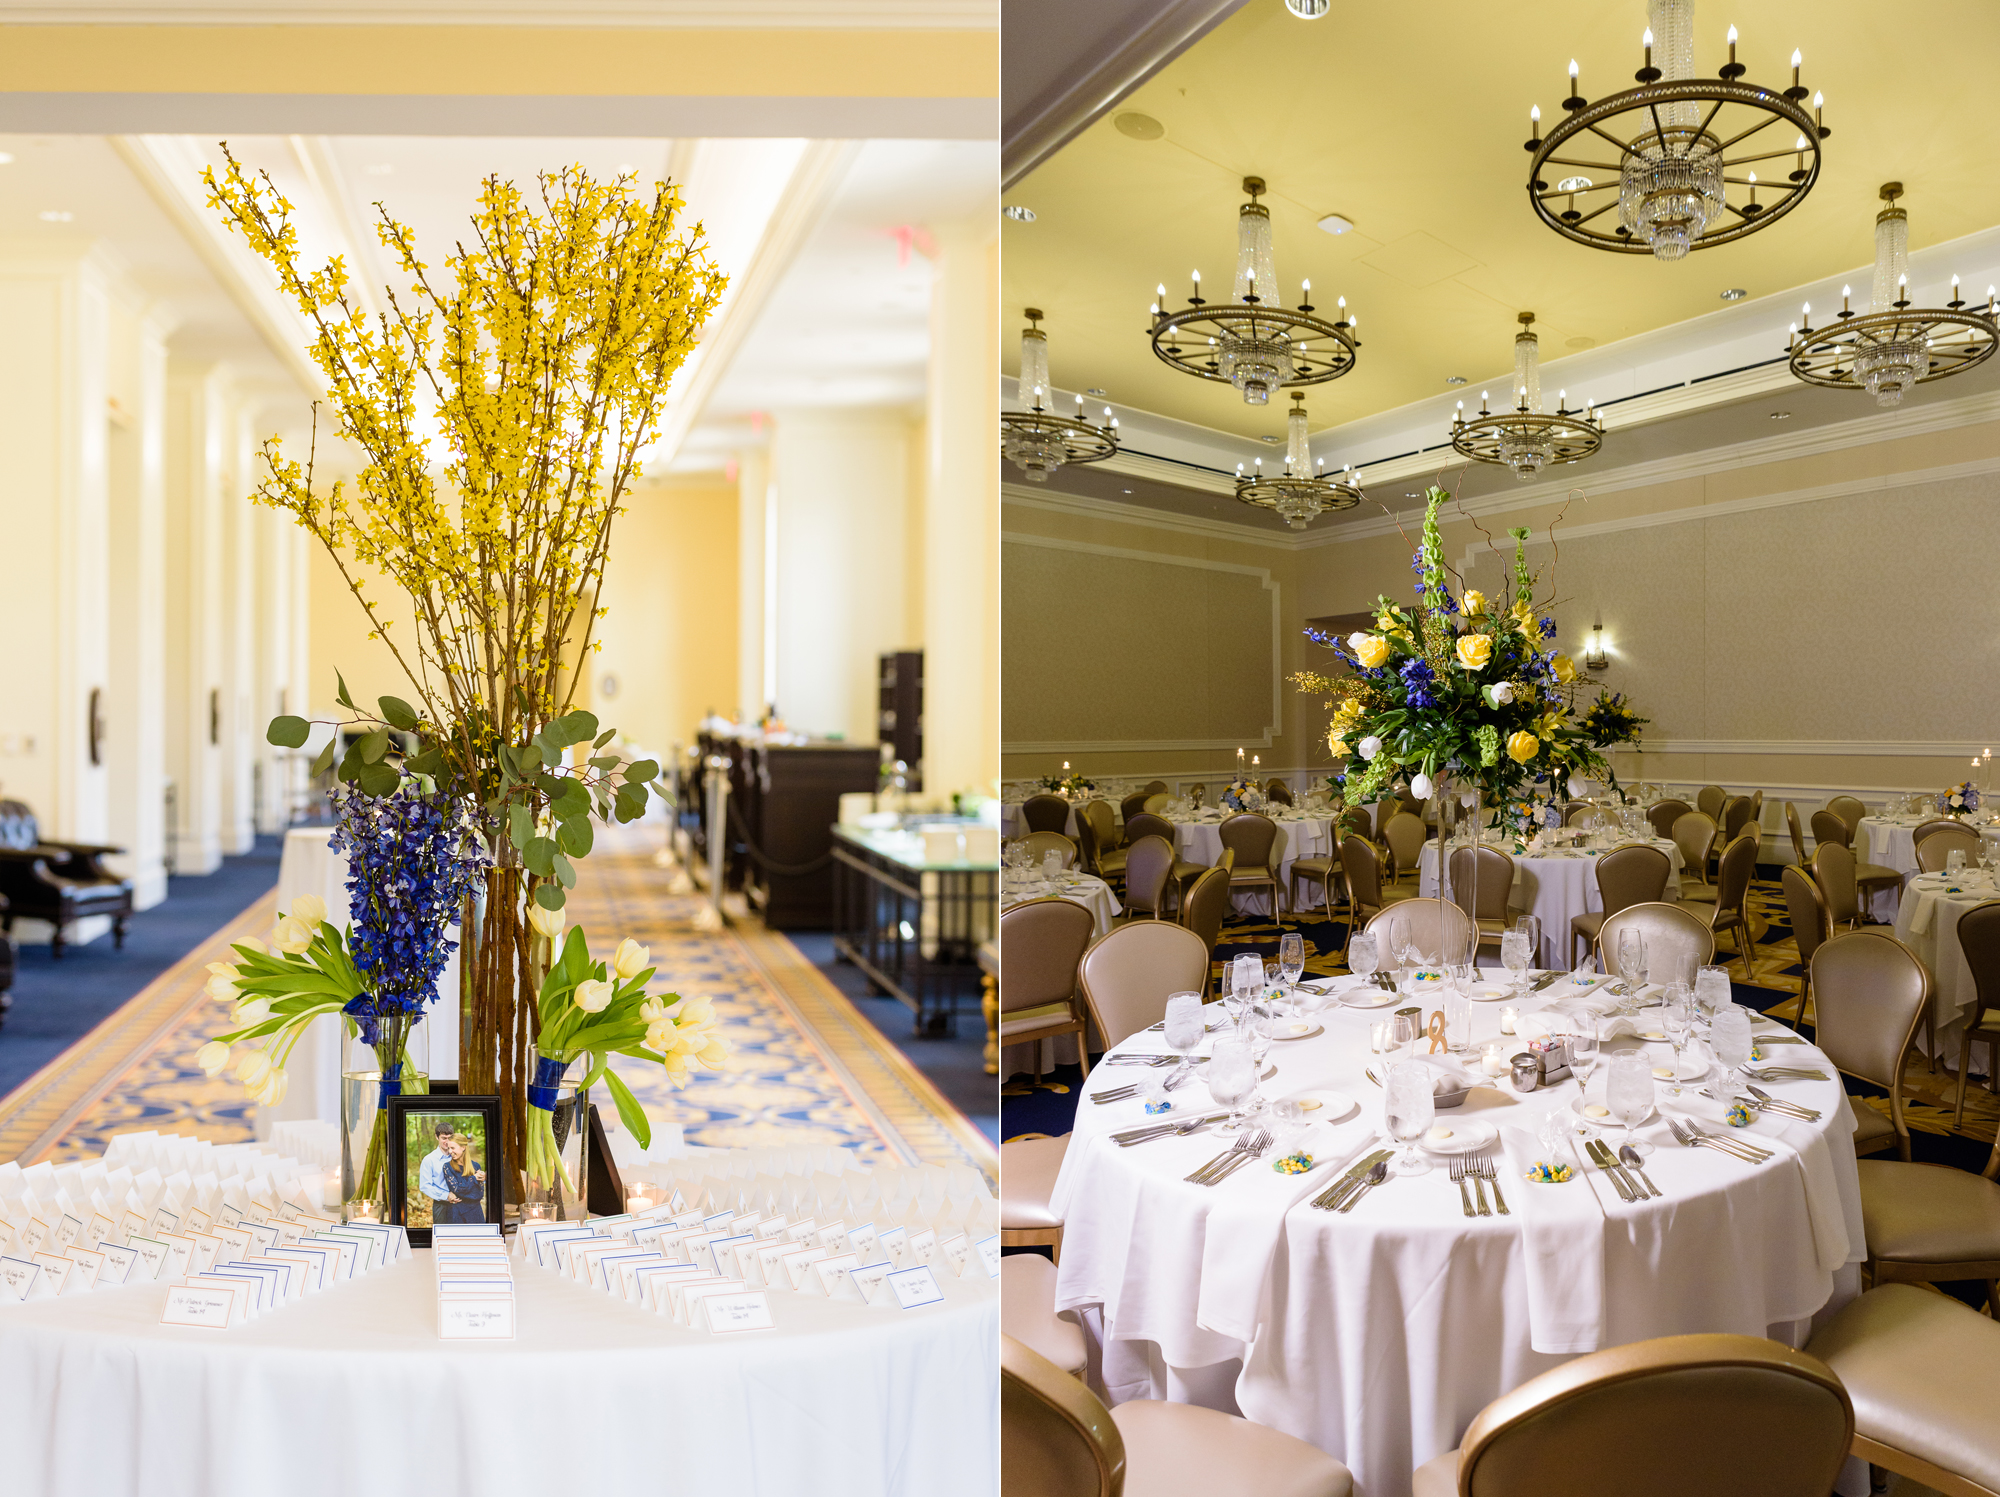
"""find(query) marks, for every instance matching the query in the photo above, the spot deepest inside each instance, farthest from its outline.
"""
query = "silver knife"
(1541, 982)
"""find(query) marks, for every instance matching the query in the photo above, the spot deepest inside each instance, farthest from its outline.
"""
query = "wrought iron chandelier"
(1526, 439)
(1893, 345)
(1686, 151)
(1037, 440)
(1251, 341)
(1301, 493)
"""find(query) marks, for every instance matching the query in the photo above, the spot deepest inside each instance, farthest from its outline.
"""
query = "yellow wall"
(340, 642)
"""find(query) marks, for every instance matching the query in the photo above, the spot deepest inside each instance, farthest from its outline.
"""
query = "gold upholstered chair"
(1694, 835)
(1028, 1312)
(1663, 814)
(1709, 800)
(1039, 844)
(1798, 837)
(1057, 1439)
(1149, 868)
(1127, 975)
(1833, 871)
(1923, 829)
(1028, 1170)
(1098, 836)
(1827, 827)
(1361, 868)
(1870, 991)
(1278, 792)
(1812, 923)
(1747, 1416)
(1731, 911)
(1404, 834)
(1045, 813)
(1979, 939)
(1148, 824)
(1850, 810)
(1937, 848)
(1253, 838)
(1041, 943)
(1678, 941)
(1485, 874)
(1203, 909)
(1736, 817)
(1628, 875)
(1131, 806)
(1440, 930)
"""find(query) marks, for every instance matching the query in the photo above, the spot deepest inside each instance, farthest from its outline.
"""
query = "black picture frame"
(424, 1110)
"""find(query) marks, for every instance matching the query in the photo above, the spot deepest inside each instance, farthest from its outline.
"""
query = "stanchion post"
(710, 917)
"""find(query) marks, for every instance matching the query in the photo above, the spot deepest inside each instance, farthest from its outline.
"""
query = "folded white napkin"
(1562, 1241)
(1801, 1146)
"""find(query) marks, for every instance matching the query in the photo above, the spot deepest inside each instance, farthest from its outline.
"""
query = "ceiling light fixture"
(1682, 144)
(1893, 345)
(1139, 126)
(1525, 439)
(1781, 415)
(1037, 440)
(55, 215)
(1019, 214)
(1734, 293)
(1336, 223)
(1251, 341)
(1454, 379)
(1302, 492)
(1308, 10)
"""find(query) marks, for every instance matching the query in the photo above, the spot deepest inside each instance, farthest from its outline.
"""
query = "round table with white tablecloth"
(1086, 889)
(1011, 824)
(1890, 841)
(1555, 886)
(1379, 1334)
(1198, 839)
(1927, 923)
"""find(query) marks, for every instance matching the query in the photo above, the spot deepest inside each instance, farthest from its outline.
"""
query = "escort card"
(101, 1229)
(262, 1234)
(56, 1271)
(989, 1255)
(923, 1246)
(207, 1248)
(868, 1278)
(89, 1264)
(312, 1265)
(798, 1263)
(692, 1293)
(454, 1231)
(894, 1244)
(914, 1287)
(634, 1272)
(131, 1225)
(67, 1231)
(369, 1247)
(263, 1289)
(214, 1307)
(954, 1250)
(771, 1226)
(35, 1235)
(166, 1221)
(549, 1245)
(650, 1283)
(717, 1222)
(722, 1252)
(832, 1237)
(748, 1311)
(291, 1275)
(832, 1275)
(23, 1280)
(199, 1220)
(240, 1241)
(348, 1248)
(802, 1230)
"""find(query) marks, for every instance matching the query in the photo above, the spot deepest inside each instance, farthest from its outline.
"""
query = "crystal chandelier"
(1251, 341)
(1301, 493)
(1893, 345)
(1037, 440)
(1682, 145)
(1526, 439)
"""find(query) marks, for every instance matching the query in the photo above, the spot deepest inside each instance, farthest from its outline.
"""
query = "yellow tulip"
(1337, 746)
(1564, 668)
(1474, 650)
(1474, 601)
(1522, 747)
(1372, 651)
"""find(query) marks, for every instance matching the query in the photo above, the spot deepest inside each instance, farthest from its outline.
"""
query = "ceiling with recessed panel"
(1408, 120)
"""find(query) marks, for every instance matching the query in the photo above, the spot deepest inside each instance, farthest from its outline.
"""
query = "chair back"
(1046, 813)
(1102, 823)
(1405, 833)
(1923, 829)
(1934, 849)
(18, 828)
(1087, 845)
(1812, 922)
(1149, 863)
(1354, 819)
(1827, 827)
(1757, 806)
(1441, 932)
(1129, 807)
(1040, 844)
(1128, 975)
(1205, 906)
(1709, 799)
(1156, 787)
(1798, 837)
(1156, 801)
(1694, 835)
(1677, 941)
(1493, 884)
(1735, 816)
(1748, 1415)
(1733, 872)
(1849, 809)
(1057, 1438)
(1146, 824)
(1041, 943)
(1250, 836)
(1869, 994)
(1833, 871)
(1632, 874)
(1278, 792)
(1663, 814)
(1979, 939)
(1361, 866)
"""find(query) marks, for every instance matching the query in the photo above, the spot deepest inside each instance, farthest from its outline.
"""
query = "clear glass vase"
(388, 1057)
(553, 1168)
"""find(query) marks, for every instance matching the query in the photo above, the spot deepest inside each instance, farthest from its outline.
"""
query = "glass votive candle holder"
(1509, 1017)
(1493, 1061)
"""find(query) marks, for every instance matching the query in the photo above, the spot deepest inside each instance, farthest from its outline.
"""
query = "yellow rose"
(1474, 601)
(1565, 670)
(1474, 650)
(1522, 747)
(1372, 651)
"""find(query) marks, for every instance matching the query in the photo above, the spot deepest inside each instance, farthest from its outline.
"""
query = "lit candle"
(1508, 1017)
(638, 1204)
(536, 1211)
(362, 1210)
(1493, 1062)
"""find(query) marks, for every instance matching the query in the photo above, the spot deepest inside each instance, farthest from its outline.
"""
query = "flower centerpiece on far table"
(1608, 721)
(1072, 786)
(1961, 799)
(1242, 795)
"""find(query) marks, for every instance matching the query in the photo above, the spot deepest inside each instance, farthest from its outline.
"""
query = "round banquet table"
(1011, 824)
(349, 1390)
(1086, 889)
(1891, 842)
(1379, 1335)
(1199, 840)
(1927, 923)
(1554, 886)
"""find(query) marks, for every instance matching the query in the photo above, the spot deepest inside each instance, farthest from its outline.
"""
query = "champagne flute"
(1584, 1044)
(1408, 1109)
(1677, 1020)
(1628, 1092)
(1291, 957)
(1631, 967)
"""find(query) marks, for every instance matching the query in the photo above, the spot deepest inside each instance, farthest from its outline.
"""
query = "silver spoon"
(1369, 1181)
(1629, 1157)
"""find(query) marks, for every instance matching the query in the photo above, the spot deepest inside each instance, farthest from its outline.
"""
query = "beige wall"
(339, 632)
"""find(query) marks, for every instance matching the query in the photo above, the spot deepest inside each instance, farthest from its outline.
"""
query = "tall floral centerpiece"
(1609, 721)
(498, 410)
(1456, 693)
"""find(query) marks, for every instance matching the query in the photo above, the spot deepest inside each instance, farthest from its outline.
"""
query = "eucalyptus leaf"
(605, 737)
(642, 770)
(380, 779)
(539, 854)
(549, 896)
(341, 696)
(374, 745)
(398, 713)
(574, 836)
(520, 824)
(565, 873)
(288, 732)
(325, 759)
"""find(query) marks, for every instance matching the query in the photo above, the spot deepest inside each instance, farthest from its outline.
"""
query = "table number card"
(914, 1288)
(23, 1280)
(989, 1255)
(212, 1307)
(749, 1311)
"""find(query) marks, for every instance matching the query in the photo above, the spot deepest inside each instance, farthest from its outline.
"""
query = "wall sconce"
(1594, 658)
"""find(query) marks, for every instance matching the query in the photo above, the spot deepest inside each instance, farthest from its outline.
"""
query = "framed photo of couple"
(445, 1162)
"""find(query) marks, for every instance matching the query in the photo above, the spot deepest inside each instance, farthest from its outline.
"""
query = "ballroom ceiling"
(1408, 121)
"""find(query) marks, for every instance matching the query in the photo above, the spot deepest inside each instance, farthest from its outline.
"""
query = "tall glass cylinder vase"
(389, 1056)
(552, 1170)
(502, 960)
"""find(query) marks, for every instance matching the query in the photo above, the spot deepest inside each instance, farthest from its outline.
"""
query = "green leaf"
(341, 695)
(399, 713)
(605, 761)
(641, 771)
(429, 762)
(325, 759)
(549, 896)
(374, 745)
(571, 801)
(539, 854)
(574, 836)
(565, 875)
(288, 732)
(529, 758)
(520, 825)
(380, 779)
(630, 1113)
(572, 727)
(605, 737)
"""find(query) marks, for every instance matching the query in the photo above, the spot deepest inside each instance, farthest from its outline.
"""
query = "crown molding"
(1054, 501)
(650, 15)
(1859, 748)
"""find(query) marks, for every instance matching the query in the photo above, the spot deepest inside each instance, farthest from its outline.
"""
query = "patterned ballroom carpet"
(808, 1068)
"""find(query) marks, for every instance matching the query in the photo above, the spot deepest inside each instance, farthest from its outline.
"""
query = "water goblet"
(1954, 864)
(1711, 993)
(1408, 1109)
(1362, 954)
(1185, 1027)
(1514, 956)
(1729, 1037)
(1232, 1079)
(1628, 1092)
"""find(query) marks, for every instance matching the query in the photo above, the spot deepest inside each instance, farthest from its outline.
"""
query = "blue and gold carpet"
(808, 1068)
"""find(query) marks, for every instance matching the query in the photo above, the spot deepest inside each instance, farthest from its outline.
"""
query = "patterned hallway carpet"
(808, 1069)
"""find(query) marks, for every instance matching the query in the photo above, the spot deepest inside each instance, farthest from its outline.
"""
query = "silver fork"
(1116, 1094)
(1483, 1170)
(1258, 1145)
(1459, 1176)
(1692, 1137)
(1778, 1104)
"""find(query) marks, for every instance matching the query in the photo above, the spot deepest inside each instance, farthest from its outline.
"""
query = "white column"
(273, 534)
(839, 481)
(197, 429)
(961, 623)
(239, 600)
(753, 481)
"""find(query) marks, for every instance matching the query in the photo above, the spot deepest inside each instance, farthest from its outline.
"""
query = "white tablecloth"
(1298, 837)
(350, 1391)
(1086, 889)
(1556, 887)
(1011, 824)
(1378, 1335)
(1928, 924)
(1889, 840)
(309, 866)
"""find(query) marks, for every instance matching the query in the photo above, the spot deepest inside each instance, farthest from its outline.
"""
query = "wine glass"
(1185, 1027)
(1628, 1092)
(1232, 1079)
(1407, 1109)
(1362, 954)
(1711, 993)
(1514, 956)
(1291, 957)
(1583, 1049)
(1677, 1019)
(1631, 967)
(1729, 1037)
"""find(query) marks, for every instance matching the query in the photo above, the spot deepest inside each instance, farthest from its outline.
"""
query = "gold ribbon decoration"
(1436, 1033)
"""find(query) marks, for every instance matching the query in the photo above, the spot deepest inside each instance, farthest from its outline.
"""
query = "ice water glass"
(1729, 1036)
(1531, 927)
(1954, 864)
(1711, 993)
(1408, 1110)
(1628, 1092)
(1362, 954)
(1232, 1079)
(1185, 1025)
(1514, 956)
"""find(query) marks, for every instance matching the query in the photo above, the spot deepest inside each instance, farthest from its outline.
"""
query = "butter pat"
(1310, 1104)
(1595, 1111)
(1665, 1073)
(1440, 1134)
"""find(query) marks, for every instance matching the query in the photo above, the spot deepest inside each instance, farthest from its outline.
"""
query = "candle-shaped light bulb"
(1160, 291)
(1954, 286)
(1107, 414)
(1562, 400)
(1065, 766)
(1808, 312)
(1535, 114)
(1572, 70)
(1341, 302)
(1306, 289)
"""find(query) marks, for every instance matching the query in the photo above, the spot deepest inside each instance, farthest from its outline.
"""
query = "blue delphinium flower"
(1418, 678)
(1548, 628)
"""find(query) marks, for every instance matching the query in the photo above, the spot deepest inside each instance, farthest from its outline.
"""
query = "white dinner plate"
(1468, 1135)
(1297, 1029)
(1367, 995)
(1489, 992)
(1333, 1105)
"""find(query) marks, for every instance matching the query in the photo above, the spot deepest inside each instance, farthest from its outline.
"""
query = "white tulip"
(715, 1052)
(1500, 694)
(221, 989)
(213, 1058)
(1357, 639)
(252, 1068)
(593, 997)
(253, 1011)
(695, 1011)
(293, 935)
(225, 969)
(1577, 786)
(660, 1034)
(271, 1091)
(546, 922)
(1420, 787)
(1369, 746)
(653, 1011)
(309, 908)
(631, 960)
